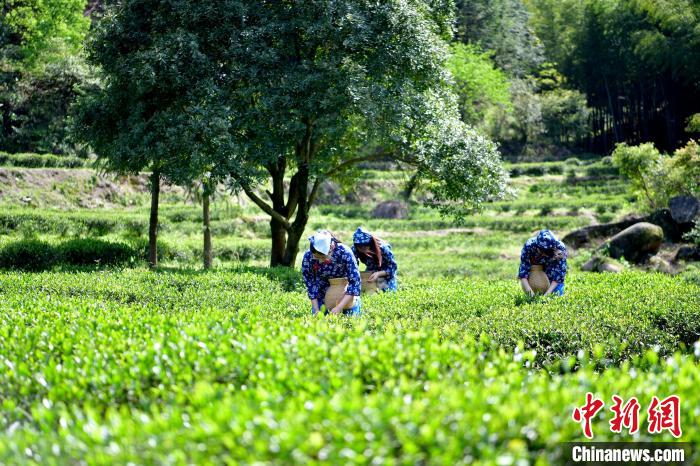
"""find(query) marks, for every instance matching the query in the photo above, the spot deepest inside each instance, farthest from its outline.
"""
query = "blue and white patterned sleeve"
(354, 252)
(556, 269)
(525, 266)
(353, 273)
(389, 264)
(310, 280)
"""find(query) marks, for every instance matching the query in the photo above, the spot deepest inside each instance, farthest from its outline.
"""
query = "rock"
(587, 235)
(602, 264)
(684, 209)
(660, 265)
(391, 209)
(672, 231)
(688, 254)
(637, 242)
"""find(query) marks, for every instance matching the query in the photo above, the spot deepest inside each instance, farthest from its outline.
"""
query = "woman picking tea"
(328, 258)
(550, 253)
(377, 257)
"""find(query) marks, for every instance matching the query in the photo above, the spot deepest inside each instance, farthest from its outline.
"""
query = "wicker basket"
(368, 287)
(539, 282)
(335, 293)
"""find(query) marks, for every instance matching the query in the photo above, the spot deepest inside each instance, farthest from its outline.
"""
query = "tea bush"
(35, 254)
(183, 367)
(30, 160)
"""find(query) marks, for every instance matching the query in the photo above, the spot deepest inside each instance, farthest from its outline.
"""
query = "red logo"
(662, 415)
(626, 416)
(586, 412)
(665, 415)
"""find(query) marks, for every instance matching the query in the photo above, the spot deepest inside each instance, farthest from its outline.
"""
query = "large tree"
(320, 86)
(296, 93)
(161, 106)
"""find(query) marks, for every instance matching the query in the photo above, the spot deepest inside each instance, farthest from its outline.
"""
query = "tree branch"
(350, 162)
(314, 192)
(267, 208)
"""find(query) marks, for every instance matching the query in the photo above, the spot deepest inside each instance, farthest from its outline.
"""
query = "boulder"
(587, 235)
(636, 243)
(391, 209)
(602, 264)
(684, 209)
(660, 265)
(688, 254)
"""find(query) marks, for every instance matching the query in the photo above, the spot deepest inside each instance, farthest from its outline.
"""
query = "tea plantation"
(115, 364)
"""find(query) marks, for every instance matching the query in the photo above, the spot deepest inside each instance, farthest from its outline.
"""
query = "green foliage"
(40, 161)
(41, 73)
(34, 254)
(183, 92)
(501, 27)
(660, 177)
(178, 363)
(693, 125)
(49, 29)
(478, 84)
(564, 116)
(694, 235)
(627, 55)
(641, 164)
(681, 172)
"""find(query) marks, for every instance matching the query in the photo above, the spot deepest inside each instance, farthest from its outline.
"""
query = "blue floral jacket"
(317, 273)
(388, 262)
(555, 269)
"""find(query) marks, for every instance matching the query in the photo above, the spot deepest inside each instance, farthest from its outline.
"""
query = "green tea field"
(103, 361)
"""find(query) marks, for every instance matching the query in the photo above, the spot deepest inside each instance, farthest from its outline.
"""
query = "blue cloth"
(533, 253)
(389, 264)
(559, 290)
(361, 237)
(354, 311)
(341, 264)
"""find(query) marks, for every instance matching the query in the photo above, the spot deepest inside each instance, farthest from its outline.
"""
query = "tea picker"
(378, 259)
(331, 275)
(543, 265)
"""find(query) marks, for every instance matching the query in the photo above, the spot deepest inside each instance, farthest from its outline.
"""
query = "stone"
(688, 254)
(660, 265)
(684, 209)
(636, 243)
(602, 264)
(391, 209)
(587, 235)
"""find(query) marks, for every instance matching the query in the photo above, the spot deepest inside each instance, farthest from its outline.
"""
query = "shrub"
(656, 177)
(36, 255)
(27, 254)
(30, 160)
(83, 251)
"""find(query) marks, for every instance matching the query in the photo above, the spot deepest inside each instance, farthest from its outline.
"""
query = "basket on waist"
(538, 280)
(336, 292)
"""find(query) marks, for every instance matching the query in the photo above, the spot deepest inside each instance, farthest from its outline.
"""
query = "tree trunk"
(294, 238)
(206, 221)
(279, 243)
(153, 220)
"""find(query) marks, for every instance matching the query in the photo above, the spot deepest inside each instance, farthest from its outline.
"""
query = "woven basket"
(368, 287)
(335, 293)
(539, 282)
